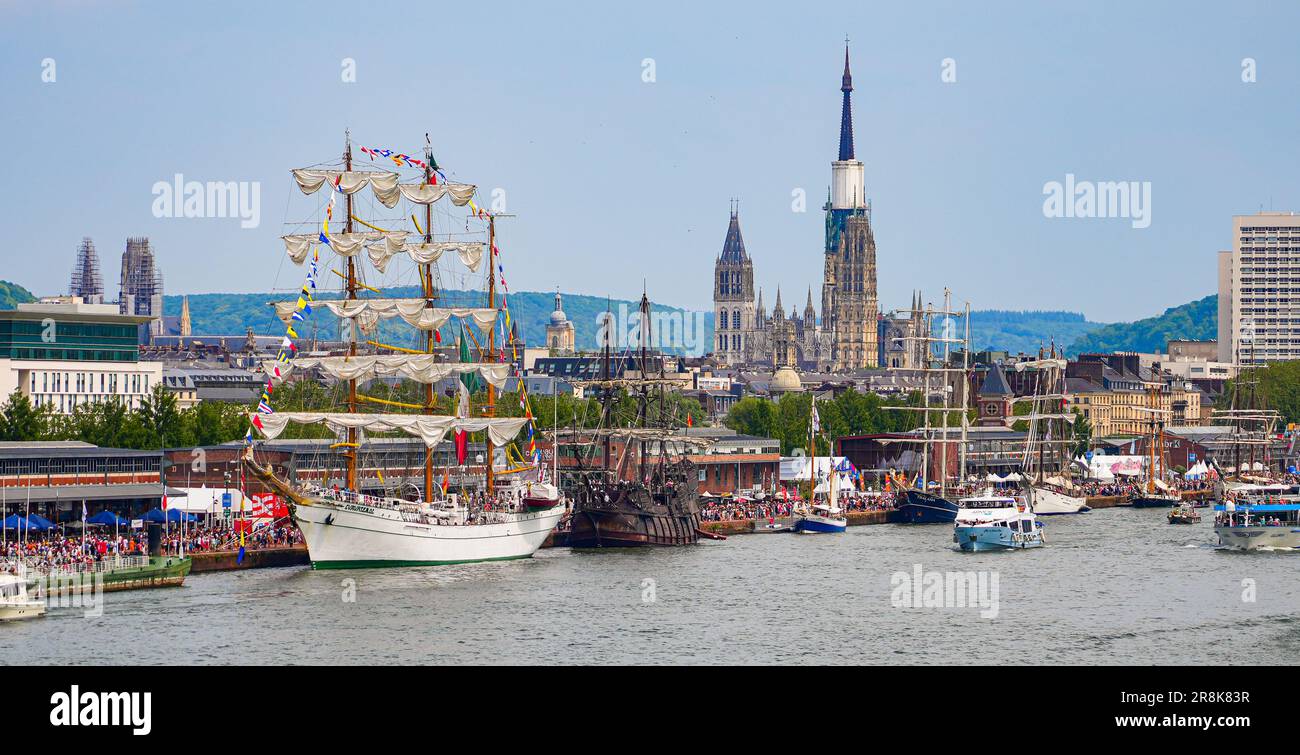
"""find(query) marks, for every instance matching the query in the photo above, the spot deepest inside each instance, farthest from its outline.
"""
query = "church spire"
(733, 247)
(846, 115)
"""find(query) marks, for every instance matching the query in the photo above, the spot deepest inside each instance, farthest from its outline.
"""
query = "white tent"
(207, 500)
(798, 468)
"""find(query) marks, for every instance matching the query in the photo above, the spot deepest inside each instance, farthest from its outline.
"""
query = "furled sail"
(368, 312)
(381, 246)
(387, 190)
(429, 428)
(422, 368)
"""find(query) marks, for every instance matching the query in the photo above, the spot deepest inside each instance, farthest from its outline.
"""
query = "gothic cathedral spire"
(846, 114)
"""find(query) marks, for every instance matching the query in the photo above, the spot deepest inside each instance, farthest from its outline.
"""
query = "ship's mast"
(351, 453)
(427, 280)
(965, 395)
(943, 451)
(643, 402)
(490, 409)
(606, 400)
(812, 450)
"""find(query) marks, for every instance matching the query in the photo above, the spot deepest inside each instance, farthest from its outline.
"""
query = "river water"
(1112, 586)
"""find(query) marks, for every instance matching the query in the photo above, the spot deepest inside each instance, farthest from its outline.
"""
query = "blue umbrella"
(176, 515)
(154, 515)
(39, 523)
(108, 519)
(15, 522)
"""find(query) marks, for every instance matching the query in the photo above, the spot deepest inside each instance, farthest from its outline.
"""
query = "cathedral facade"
(846, 338)
(744, 332)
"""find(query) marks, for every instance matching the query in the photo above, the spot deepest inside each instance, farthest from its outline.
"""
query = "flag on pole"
(816, 420)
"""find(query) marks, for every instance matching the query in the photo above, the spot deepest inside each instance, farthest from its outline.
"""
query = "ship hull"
(815, 524)
(1153, 502)
(1259, 538)
(624, 529)
(995, 539)
(1046, 501)
(353, 536)
(925, 508)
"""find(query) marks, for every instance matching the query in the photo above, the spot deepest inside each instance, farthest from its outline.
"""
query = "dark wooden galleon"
(656, 502)
(623, 513)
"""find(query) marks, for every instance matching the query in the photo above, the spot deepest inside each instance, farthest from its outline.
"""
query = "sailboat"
(1252, 428)
(819, 515)
(1153, 491)
(918, 504)
(1049, 491)
(349, 525)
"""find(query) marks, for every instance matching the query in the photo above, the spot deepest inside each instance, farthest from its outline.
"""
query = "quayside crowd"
(727, 509)
(50, 551)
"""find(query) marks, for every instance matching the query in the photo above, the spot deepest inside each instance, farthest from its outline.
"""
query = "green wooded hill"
(232, 314)
(1017, 332)
(1013, 331)
(1198, 320)
(12, 294)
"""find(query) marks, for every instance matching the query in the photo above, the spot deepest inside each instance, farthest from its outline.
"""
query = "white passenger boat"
(1263, 523)
(15, 603)
(996, 522)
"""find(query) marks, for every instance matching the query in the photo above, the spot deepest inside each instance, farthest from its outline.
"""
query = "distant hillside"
(12, 294)
(1017, 332)
(1198, 320)
(232, 314)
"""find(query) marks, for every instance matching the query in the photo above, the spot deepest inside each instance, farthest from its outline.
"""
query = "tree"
(1082, 435)
(19, 420)
(160, 417)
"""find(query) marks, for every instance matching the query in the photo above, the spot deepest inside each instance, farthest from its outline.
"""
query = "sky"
(617, 180)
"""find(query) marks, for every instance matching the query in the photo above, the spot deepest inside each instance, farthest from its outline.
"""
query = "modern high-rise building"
(87, 281)
(1259, 290)
(141, 284)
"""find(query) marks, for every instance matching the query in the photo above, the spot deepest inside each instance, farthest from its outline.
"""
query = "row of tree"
(849, 413)
(157, 422)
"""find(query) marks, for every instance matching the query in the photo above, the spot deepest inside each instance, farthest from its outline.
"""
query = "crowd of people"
(782, 505)
(54, 550)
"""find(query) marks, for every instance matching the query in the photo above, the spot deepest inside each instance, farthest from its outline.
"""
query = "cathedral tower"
(733, 296)
(849, 299)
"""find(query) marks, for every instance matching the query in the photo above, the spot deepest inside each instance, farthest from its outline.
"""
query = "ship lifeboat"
(540, 496)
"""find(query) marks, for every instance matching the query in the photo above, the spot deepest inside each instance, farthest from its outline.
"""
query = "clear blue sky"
(614, 179)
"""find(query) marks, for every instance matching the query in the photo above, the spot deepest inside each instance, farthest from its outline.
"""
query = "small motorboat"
(1184, 514)
(772, 525)
(14, 601)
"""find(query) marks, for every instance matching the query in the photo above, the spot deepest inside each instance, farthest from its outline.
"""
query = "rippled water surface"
(1112, 586)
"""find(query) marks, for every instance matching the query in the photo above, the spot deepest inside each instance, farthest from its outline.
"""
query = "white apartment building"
(67, 353)
(1259, 290)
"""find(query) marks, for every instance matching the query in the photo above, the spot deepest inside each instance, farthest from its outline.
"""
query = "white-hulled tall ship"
(344, 525)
